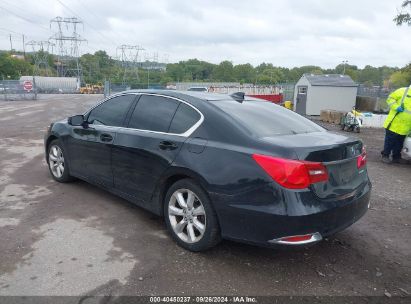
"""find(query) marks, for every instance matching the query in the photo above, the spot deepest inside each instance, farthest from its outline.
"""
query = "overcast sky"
(283, 32)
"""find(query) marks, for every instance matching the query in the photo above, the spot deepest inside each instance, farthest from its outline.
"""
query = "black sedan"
(216, 166)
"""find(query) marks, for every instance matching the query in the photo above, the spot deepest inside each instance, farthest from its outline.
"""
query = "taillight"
(292, 174)
(362, 159)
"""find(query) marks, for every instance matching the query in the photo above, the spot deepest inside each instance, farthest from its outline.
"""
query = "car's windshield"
(265, 119)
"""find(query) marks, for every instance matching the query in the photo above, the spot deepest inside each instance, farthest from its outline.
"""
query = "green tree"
(224, 71)
(404, 17)
(244, 73)
(401, 78)
(13, 68)
(371, 75)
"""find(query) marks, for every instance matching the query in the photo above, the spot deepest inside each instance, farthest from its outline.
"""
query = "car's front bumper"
(265, 223)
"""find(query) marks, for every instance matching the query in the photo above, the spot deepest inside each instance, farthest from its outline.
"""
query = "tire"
(342, 126)
(58, 163)
(179, 219)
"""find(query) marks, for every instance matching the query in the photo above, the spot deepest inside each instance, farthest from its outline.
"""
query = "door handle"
(167, 145)
(106, 137)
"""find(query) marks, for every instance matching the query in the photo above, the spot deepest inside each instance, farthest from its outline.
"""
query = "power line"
(21, 8)
(90, 25)
(24, 18)
(9, 31)
(86, 9)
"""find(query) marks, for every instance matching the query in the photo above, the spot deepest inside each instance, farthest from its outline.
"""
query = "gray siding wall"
(330, 98)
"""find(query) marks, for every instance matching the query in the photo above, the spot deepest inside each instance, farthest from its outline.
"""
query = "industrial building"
(314, 93)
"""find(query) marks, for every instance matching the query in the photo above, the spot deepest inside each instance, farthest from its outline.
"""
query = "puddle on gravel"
(19, 153)
(71, 258)
(17, 197)
(9, 222)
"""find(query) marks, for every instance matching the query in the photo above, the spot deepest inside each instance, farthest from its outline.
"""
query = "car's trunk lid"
(337, 152)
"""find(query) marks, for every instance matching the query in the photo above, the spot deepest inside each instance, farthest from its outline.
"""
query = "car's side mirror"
(76, 120)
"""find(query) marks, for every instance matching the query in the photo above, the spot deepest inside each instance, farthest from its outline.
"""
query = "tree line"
(100, 66)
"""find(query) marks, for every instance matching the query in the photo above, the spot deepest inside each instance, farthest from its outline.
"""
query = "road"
(76, 239)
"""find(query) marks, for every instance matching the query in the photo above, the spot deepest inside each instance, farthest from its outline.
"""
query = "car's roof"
(206, 96)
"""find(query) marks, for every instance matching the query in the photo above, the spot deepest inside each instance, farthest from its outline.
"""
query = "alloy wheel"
(56, 161)
(187, 215)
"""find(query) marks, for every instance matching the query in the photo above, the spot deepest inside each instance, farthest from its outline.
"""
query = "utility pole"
(24, 47)
(344, 62)
(11, 44)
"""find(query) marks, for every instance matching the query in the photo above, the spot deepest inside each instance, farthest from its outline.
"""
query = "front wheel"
(57, 161)
(190, 217)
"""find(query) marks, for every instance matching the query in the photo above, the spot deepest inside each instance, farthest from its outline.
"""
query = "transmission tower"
(151, 60)
(68, 41)
(164, 62)
(128, 55)
(166, 58)
(40, 52)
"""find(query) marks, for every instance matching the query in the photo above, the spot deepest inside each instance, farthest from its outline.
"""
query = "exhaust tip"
(298, 239)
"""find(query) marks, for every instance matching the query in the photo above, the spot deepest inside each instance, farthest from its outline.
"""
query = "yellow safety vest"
(401, 122)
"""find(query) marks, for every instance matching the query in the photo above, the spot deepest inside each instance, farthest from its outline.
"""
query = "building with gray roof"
(314, 93)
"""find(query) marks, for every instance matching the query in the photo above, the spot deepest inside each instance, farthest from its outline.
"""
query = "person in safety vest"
(397, 125)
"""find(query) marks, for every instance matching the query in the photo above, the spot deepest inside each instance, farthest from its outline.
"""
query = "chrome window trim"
(185, 134)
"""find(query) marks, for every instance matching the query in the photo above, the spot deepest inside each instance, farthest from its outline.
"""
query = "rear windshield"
(265, 119)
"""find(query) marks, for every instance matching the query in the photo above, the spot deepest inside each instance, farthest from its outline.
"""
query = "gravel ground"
(76, 239)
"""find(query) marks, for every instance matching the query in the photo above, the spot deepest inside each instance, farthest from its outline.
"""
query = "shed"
(314, 93)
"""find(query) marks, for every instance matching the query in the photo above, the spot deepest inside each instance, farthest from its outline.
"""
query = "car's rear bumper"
(266, 223)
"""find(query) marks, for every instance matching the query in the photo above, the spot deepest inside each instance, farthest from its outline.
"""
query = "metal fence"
(112, 88)
(115, 88)
(17, 90)
(284, 89)
(287, 90)
(375, 91)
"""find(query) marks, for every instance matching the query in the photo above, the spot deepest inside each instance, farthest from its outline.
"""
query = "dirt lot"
(75, 239)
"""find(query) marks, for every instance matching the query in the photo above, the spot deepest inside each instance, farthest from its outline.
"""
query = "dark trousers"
(393, 142)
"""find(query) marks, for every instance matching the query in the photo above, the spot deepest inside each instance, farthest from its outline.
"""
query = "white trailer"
(54, 84)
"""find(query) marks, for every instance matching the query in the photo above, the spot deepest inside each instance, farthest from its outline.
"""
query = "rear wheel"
(58, 164)
(190, 217)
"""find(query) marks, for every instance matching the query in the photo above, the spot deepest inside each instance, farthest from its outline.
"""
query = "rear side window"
(184, 119)
(265, 119)
(111, 112)
(153, 113)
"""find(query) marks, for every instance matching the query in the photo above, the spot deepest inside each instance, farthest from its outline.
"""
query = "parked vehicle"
(407, 146)
(216, 166)
(92, 89)
(198, 89)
